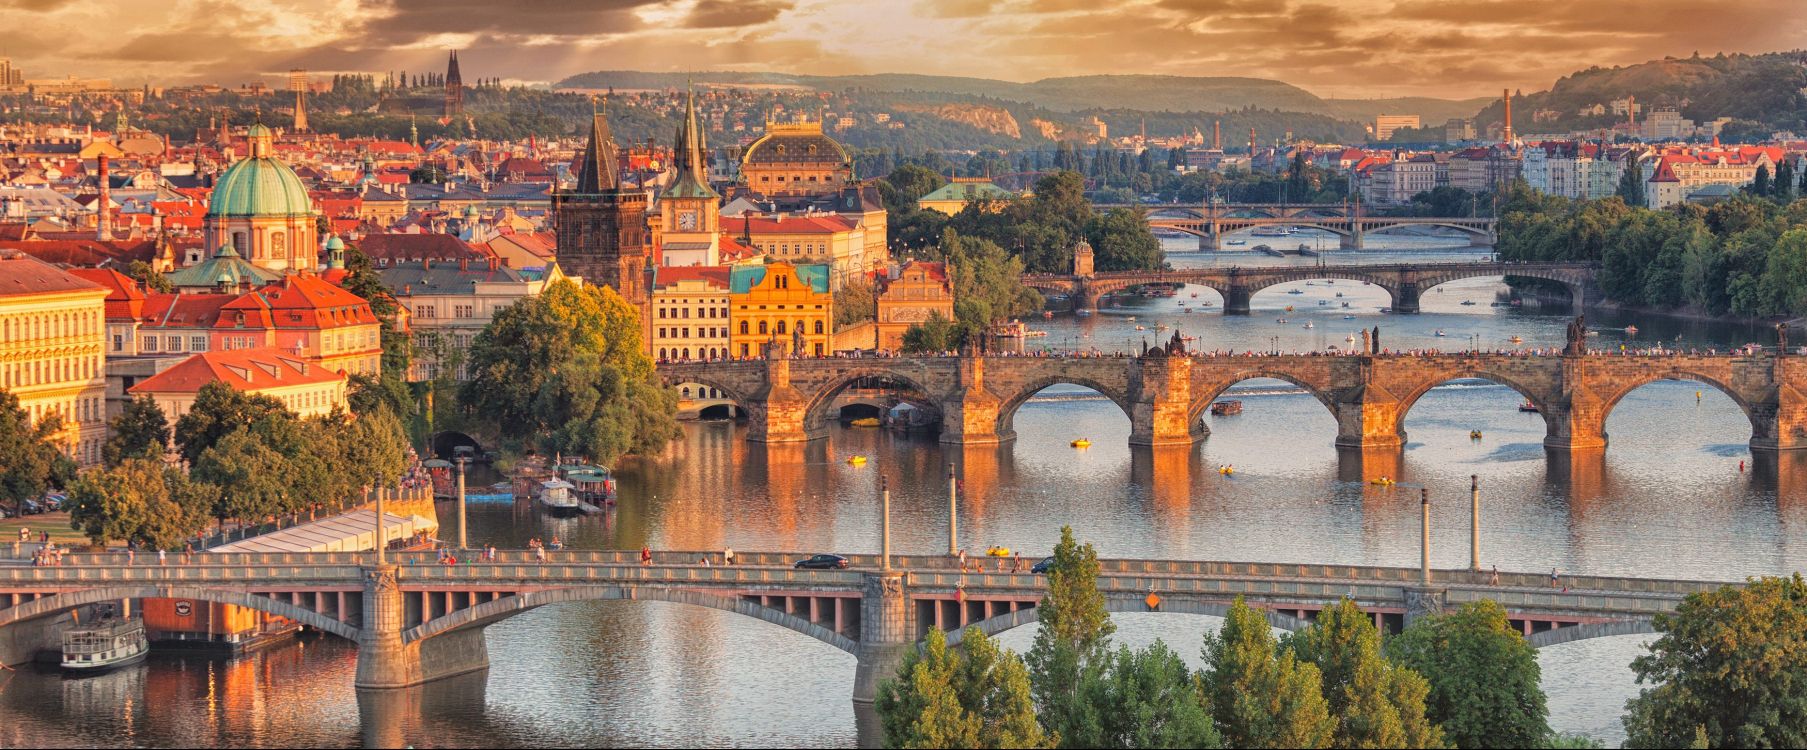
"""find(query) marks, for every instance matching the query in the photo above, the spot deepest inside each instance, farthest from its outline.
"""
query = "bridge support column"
(970, 415)
(777, 415)
(384, 661)
(1781, 422)
(1422, 601)
(1354, 240)
(885, 633)
(1236, 299)
(1405, 299)
(1210, 242)
(1161, 402)
(1369, 419)
(1577, 422)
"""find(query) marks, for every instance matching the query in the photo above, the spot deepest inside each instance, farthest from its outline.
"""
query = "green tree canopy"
(1074, 633)
(988, 283)
(148, 277)
(564, 372)
(30, 463)
(1483, 675)
(1140, 699)
(855, 302)
(1121, 241)
(1727, 669)
(1376, 704)
(1262, 696)
(254, 479)
(218, 411)
(141, 431)
(937, 334)
(942, 698)
(141, 501)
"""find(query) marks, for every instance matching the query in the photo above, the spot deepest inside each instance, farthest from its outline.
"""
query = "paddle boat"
(856, 460)
(1082, 443)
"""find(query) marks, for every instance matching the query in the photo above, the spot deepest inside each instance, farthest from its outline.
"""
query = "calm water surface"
(1668, 499)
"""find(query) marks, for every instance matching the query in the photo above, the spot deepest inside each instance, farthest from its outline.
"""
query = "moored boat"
(107, 644)
(558, 497)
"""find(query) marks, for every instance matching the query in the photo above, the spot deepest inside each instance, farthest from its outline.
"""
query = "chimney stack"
(1251, 148)
(1217, 136)
(1506, 133)
(103, 221)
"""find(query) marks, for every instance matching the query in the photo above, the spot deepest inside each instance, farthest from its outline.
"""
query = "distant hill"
(1760, 92)
(1147, 93)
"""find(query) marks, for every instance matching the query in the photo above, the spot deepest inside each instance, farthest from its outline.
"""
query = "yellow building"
(53, 329)
(782, 303)
(920, 291)
(689, 316)
(795, 159)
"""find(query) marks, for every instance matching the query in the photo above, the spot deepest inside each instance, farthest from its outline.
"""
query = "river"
(1668, 499)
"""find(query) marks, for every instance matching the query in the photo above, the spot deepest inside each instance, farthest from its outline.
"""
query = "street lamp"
(461, 461)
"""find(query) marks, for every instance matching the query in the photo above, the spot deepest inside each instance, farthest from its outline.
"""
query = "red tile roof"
(125, 301)
(242, 369)
(22, 274)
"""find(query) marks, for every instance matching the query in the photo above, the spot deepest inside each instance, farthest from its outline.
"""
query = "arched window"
(743, 328)
(661, 354)
(818, 327)
(687, 352)
(685, 392)
(762, 330)
(780, 327)
(239, 242)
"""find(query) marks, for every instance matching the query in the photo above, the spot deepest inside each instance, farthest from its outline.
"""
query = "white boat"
(557, 496)
(109, 643)
(1295, 291)
(1271, 231)
(1308, 324)
(1237, 243)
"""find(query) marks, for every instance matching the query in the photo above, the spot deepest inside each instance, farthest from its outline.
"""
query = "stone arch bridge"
(1352, 231)
(415, 620)
(1406, 282)
(1165, 397)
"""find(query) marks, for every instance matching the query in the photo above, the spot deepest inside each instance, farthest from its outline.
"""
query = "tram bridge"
(416, 620)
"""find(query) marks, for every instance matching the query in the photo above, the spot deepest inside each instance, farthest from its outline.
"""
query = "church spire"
(597, 172)
(688, 156)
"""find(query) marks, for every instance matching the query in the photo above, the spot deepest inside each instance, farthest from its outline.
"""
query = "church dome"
(259, 186)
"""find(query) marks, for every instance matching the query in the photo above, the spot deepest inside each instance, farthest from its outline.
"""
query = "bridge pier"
(1370, 418)
(885, 633)
(1236, 299)
(1210, 242)
(970, 415)
(1780, 424)
(779, 413)
(1423, 601)
(386, 661)
(1354, 240)
(1576, 424)
(1161, 402)
(1405, 298)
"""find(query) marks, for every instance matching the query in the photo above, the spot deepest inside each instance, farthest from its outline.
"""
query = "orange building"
(783, 304)
(919, 291)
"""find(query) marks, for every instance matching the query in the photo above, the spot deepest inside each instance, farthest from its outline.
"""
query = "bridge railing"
(63, 576)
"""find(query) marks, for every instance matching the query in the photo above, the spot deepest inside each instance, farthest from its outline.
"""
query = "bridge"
(415, 620)
(1166, 396)
(1211, 221)
(1406, 282)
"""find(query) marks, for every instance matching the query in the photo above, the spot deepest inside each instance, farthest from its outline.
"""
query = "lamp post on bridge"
(1424, 535)
(884, 491)
(461, 461)
(381, 556)
(1474, 522)
(953, 512)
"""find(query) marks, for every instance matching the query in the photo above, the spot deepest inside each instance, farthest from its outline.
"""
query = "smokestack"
(103, 219)
(1506, 133)
(1251, 148)
(1217, 136)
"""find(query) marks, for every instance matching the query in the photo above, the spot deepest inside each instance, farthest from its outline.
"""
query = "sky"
(1340, 49)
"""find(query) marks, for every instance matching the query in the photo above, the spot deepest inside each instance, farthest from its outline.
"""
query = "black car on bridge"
(822, 562)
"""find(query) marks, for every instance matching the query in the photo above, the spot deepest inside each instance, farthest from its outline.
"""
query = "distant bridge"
(1210, 222)
(418, 621)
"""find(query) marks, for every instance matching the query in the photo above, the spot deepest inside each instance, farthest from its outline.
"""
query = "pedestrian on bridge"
(728, 556)
(160, 556)
(646, 556)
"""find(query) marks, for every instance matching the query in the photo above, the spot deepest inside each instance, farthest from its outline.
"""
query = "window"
(743, 330)
(197, 343)
(781, 327)
(818, 327)
(150, 343)
(118, 342)
(175, 343)
(462, 311)
(762, 329)
(661, 312)
(425, 311)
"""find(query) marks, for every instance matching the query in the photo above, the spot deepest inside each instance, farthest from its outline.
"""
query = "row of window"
(702, 391)
(430, 312)
(680, 354)
(306, 403)
(78, 411)
(684, 333)
(680, 311)
(23, 374)
(763, 329)
(173, 344)
(28, 326)
(786, 248)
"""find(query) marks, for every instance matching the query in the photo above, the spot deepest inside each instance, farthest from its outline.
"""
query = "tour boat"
(1082, 443)
(1528, 406)
(1237, 243)
(1295, 291)
(1271, 232)
(866, 422)
(1226, 407)
(107, 644)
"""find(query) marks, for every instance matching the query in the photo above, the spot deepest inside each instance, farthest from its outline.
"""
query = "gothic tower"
(690, 210)
(601, 228)
(454, 88)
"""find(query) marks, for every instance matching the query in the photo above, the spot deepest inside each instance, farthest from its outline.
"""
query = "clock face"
(687, 221)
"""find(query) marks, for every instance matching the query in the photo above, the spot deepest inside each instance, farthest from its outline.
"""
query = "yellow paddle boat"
(998, 551)
(866, 422)
(1082, 443)
(1382, 482)
(1226, 470)
(1474, 434)
(856, 460)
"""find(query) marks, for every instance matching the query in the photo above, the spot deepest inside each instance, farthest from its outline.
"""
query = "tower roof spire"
(598, 171)
(693, 175)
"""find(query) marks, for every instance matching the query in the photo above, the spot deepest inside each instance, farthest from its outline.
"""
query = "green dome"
(334, 243)
(259, 187)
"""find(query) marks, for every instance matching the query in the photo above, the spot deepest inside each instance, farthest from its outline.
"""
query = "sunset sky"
(1356, 48)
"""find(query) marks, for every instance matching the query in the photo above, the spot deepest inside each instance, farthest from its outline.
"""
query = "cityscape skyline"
(1360, 50)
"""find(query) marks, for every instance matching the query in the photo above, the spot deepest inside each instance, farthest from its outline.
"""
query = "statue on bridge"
(1177, 346)
(1374, 343)
(1367, 342)
(1781, 338)
(797, 340)
(1577, 337)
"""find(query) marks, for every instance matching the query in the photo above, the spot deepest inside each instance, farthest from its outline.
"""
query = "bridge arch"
(1572, 633)
(1215, 389)
(1027, 616)
(1303, 274)
(1577, 289)
(1544, 405)
(68, 600)
(697, 376)
(1682, 373)
(815, 415)
(1389, 227)
(1006, 424)
(509, 606)
(445, 443)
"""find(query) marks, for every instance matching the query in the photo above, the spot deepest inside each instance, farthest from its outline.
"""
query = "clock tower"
(689, 210)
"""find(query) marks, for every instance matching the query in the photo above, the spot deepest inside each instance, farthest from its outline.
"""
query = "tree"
(1631, 182)
(1483, 677)
(374, 449)
(1141, 699)
(148, 277)
(141, 431)
(1259, 695)
(908, 182)
(564, 372)
(937, 334)
(1376, 703)
(855, 302)
(254, 479)
(988, 283)
(1726, 668)
(1074, 633)
(219, 410)
(140, 501)
(1760, 185)
(1122, 241)
(30, 463)
(941, 698)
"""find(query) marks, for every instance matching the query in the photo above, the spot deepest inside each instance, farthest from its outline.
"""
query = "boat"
(1141, 328)
(1517, 340)
(1186, 310)
(1225, 408)
(1011, 330)
(1226, 470)
(1195, 294)
(1631, 330)
(1279, 320)
(1528, 406)
(1160, 326)
(1349, 317)
(1308, 324)
(1339, 294)
(1474, 434)
(1082, 443)
(1047, 315)
(1289, 308)
(557, 496)
(1382, 482)
(865, 422)
(1323, 302)
(1468, 303)
(995, 551)
(1237, 243)
(1271, 232)
(1295, 290)
(109, 643)
(1083, 313)
(856, 460)
(1440, 333)
(1345, 304)
(1132, 318)
(1207, 303)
